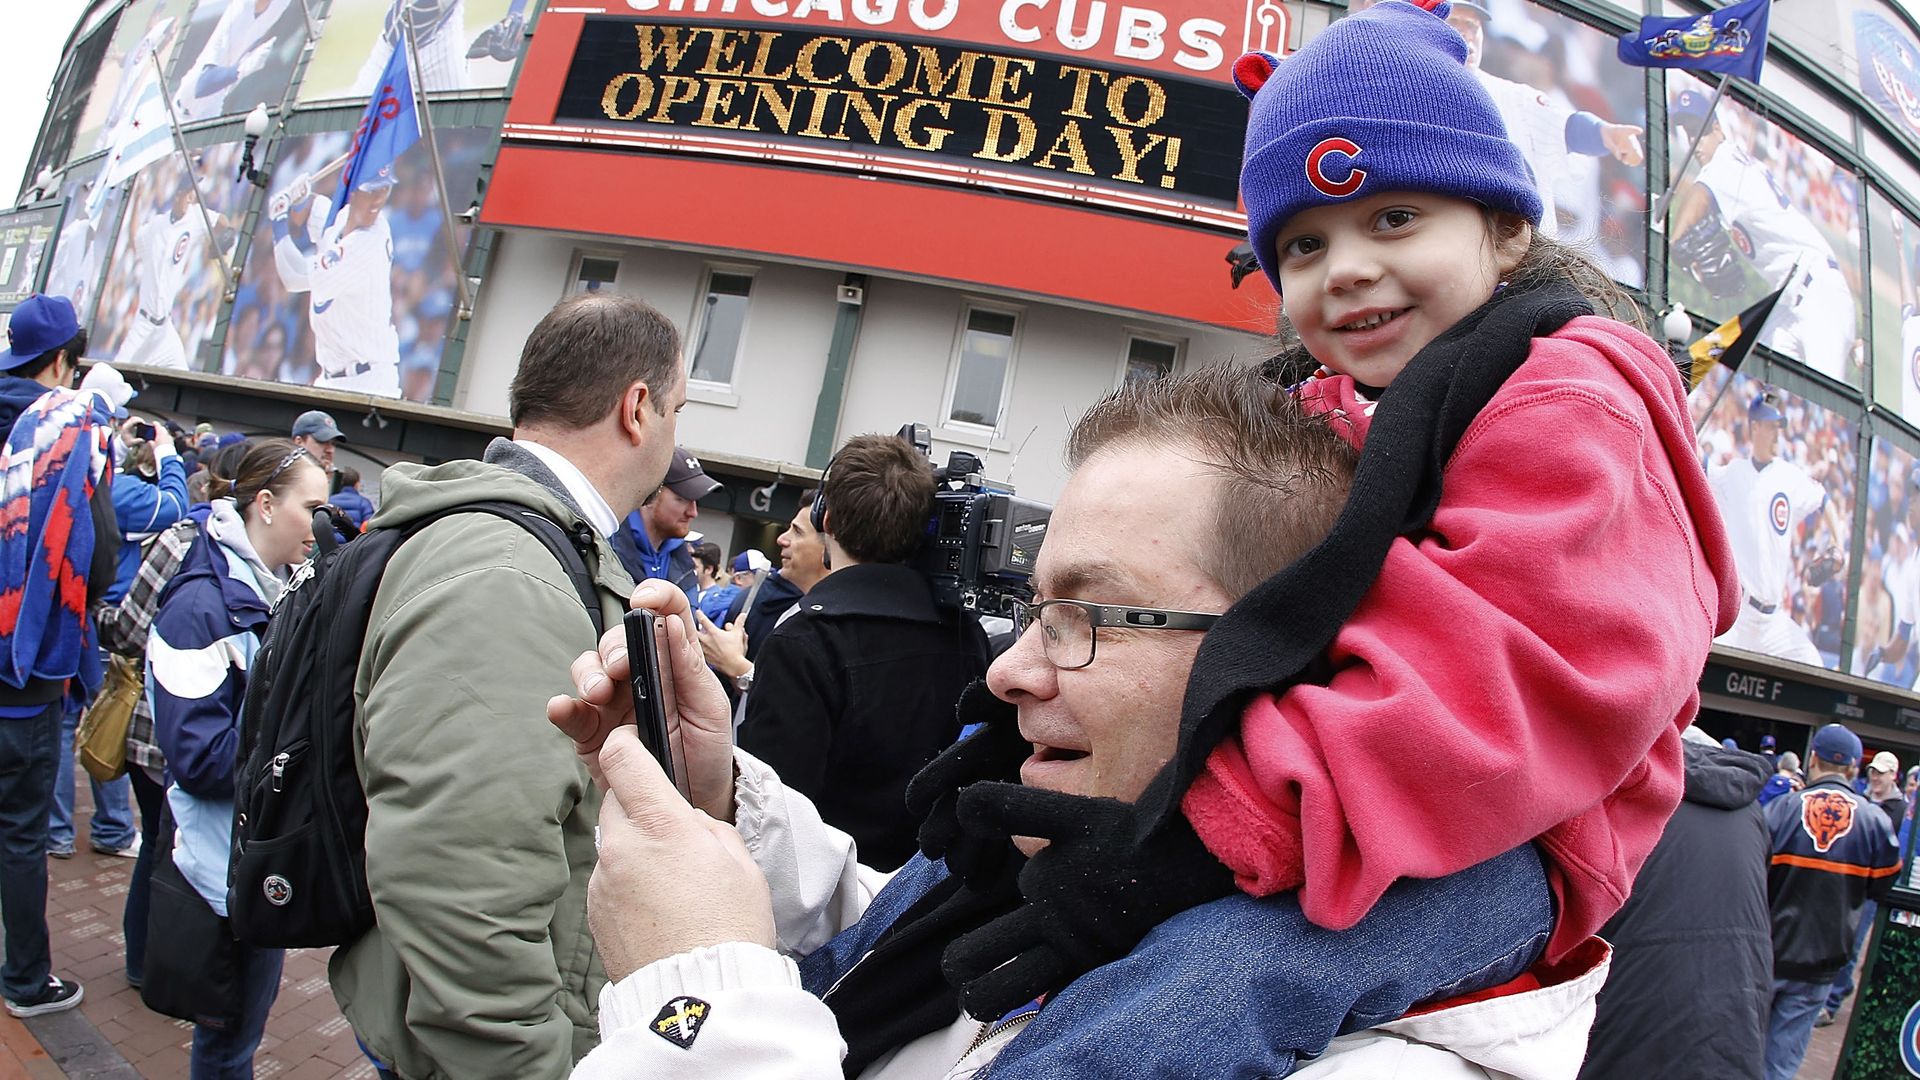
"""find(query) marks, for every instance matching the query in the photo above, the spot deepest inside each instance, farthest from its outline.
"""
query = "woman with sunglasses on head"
(202, 643)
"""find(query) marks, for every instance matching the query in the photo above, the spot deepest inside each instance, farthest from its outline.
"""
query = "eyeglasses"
(1067, 626)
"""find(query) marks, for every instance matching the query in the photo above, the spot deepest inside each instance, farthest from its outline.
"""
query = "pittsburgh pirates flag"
(1731, 341)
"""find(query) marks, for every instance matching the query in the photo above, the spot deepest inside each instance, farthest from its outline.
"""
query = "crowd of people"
(1147, 832)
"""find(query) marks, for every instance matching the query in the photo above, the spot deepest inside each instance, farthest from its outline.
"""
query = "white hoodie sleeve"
(819, 887)
(726, 1012)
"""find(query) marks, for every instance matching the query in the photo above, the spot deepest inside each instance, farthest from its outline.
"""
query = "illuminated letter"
(1096, 18)
(1202, 36)
(1069, 145)
(875, 12)
(1006, 80)
(1025, 135)
(903, 125)
(610, 101)
(803, 63)
(674, 90)
(1117, 100)
(1082, 80)
(720, 96)
(917, 11)
(896, 65)
(1130, 156)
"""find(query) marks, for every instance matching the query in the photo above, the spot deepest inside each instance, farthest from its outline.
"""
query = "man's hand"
(294, 194)
(1623, 142)
(725, 650)
(162, 440)
(669, 878)
(699, 722)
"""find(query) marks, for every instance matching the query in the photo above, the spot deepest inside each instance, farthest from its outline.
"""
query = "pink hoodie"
(1521, 671)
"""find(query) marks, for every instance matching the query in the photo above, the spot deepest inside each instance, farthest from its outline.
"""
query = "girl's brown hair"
(266, 465)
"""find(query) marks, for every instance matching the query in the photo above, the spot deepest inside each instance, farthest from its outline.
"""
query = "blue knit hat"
(1381, 101)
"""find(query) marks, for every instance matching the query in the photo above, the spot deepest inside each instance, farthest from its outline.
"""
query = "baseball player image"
(76, 253)
(1886, 650)
(1734, 206)
(241, 45)
(438, 26)
(1764, 499)
(346, 270)
(1909, 323)
(170, 246)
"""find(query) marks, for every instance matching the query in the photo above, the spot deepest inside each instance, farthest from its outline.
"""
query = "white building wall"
(1065, 358)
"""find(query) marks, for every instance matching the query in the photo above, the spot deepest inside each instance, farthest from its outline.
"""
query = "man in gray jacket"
(479, 817)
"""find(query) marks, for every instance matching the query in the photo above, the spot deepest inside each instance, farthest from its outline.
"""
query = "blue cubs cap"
(1765, 408)
(1835, 744)
(1689, 104)
(39, 325)
(1381, 101)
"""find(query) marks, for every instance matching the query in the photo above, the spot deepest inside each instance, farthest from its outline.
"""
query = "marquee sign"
(935, 110)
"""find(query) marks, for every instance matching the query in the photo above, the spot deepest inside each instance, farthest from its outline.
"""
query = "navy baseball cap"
(1835, 744)
(687, 479)
(319, 425)
(1765, 408)
(39, 325)
(1691, 104)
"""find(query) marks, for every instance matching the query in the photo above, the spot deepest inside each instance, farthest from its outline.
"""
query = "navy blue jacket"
(1833, 850)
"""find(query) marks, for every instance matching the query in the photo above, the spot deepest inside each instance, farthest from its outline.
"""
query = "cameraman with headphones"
(855, 692)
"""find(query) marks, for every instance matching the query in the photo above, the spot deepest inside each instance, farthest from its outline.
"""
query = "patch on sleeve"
(680, 1021)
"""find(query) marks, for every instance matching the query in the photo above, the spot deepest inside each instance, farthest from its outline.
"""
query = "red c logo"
(1316, 174)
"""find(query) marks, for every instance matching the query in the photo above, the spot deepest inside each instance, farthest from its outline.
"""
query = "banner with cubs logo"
(1782, 471)
(1894, 246)
(1886, 645)
(164, 282)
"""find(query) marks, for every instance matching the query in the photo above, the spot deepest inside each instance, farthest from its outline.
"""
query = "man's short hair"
(583, 355)
(708, 554)
(349, 476)
(879, 492)
(1286, 473)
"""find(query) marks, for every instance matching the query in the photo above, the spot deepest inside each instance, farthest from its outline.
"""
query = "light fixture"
(373, 418)
(1676, 324)
(255, 125)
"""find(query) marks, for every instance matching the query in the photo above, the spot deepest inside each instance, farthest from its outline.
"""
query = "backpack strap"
(568, 546)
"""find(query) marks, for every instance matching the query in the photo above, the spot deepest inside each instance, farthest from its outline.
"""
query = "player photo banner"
(24, 235)
(461, 44)
(971, 107)
(1884, 637)
(1782, 472)
(1758, 208)
(1894, 245)
(1732, 40)
(236, 54)
(359, 300)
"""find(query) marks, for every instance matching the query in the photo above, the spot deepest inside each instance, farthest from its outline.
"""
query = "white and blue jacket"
(204, 638)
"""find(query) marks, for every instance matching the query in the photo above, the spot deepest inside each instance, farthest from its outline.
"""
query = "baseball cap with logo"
(1835, 744)
(39, 325)
(686, 479)
(319, 425)
(1765, 408)
(751, 560)
(1885, 762)
(1689, 104)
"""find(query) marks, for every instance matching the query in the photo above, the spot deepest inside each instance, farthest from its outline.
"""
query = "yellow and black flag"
(1731, 341)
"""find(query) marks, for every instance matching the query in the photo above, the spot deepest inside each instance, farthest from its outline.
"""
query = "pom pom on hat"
(1381, 101)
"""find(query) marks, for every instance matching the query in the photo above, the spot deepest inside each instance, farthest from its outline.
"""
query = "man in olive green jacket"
(480, 818)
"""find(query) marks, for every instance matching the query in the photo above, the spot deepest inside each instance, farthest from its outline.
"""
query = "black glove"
(995, 752)
(1824, 565)
(1706, 250)
(1090, 896)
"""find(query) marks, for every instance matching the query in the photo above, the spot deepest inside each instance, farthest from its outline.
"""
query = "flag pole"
(465, 310)
(186, 165)
(306, 13)
(1663, 204)
(1757, 331)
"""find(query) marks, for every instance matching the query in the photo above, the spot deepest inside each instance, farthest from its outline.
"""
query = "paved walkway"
(113, 1035)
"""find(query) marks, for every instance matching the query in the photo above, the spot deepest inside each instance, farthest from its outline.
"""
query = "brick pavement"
(306, 1039)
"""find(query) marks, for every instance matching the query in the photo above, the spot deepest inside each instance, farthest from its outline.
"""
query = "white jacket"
(738, 1011)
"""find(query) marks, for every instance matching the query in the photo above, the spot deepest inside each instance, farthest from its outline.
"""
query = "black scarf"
(1270, 636)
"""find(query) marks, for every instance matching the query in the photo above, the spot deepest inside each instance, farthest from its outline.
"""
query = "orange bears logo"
(1827, 816)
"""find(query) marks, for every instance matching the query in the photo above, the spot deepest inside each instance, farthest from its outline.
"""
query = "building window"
(592, 273)
(982, 368)
(723, 323)
(1149, 359)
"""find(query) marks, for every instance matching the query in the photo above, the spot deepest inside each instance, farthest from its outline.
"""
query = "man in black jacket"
(1832, 852)
(856, 691)
(1692, 971)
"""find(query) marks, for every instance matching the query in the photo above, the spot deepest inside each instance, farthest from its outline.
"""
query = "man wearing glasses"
(766, 949)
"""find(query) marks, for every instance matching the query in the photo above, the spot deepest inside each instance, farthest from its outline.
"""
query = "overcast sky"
(35, 30)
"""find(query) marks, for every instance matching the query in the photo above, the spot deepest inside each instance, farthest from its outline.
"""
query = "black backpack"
(298, 876)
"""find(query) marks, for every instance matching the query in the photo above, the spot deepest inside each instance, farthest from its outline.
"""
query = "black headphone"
(818, 515)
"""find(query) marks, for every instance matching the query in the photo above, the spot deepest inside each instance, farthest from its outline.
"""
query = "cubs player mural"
(163, 288)
(462, 44)
(353, 304)
(80, 251)
(1738, 233)
(1889, 605)
(1781, 470)
(243, 59)
(1894, 243)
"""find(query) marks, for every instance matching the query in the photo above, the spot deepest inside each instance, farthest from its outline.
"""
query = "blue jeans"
(228, 1055)
(1796, 1004)
(152, 796)
(112, 811)
(1843, 982)
(28, 757)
